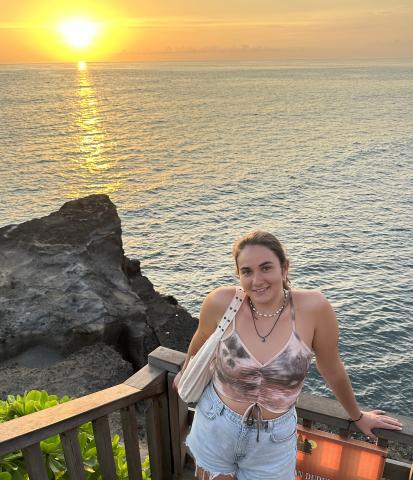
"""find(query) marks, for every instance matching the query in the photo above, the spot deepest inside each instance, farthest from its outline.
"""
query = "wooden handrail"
(167, 422)
(328, 411)
(25, 431)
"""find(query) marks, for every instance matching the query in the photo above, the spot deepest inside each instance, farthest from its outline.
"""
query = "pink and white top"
(274, 385)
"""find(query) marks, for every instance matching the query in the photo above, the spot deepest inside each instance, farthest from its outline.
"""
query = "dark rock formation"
(65, 284)
(88, 370)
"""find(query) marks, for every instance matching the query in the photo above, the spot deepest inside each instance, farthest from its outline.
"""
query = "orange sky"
(130, 30)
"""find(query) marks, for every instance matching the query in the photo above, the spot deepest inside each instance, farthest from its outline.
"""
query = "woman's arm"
(212, 310)
(330, 366)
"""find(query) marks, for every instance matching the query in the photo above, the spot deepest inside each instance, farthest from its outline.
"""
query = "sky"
(177, 30)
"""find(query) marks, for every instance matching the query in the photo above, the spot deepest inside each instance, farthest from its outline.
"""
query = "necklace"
(264, 337)
(267, 315)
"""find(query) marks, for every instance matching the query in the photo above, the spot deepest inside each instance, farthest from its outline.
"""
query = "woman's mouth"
(260, 291)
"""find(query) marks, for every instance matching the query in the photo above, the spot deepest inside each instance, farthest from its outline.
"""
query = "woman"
(245, 421)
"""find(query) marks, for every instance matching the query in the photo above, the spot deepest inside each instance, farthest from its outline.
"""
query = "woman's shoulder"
(221, 297)
(216, 303)
(310, 300)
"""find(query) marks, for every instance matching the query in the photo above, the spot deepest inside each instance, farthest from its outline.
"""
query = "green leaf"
(90, 453)
(87, 428)
(91, 462)
(82, 440)
(34, 395)
(18, 407)
(59, 475)
(55, 466)
(51, 444)
(30, 407)
(12, 456)
(115, 441)
(44, 397)
(19, 474)
(5, 476)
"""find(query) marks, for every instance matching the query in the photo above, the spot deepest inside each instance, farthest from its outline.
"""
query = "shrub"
(12, 465)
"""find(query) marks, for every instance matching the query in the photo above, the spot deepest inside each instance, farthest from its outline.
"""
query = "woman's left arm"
(330, 366)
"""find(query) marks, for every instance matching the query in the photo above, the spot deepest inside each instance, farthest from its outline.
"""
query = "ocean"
(196, 154)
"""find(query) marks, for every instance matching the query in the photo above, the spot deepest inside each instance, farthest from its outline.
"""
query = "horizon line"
(219, 60)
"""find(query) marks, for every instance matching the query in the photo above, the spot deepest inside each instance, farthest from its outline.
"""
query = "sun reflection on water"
(93, 163)
(89, 126)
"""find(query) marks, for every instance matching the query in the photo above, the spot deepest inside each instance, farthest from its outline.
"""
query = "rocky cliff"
(69, 297)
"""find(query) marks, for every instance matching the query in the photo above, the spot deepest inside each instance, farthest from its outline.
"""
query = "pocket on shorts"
(206, 406)
(285, 431)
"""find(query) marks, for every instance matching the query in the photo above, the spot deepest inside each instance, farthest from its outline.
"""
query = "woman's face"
(261, 275)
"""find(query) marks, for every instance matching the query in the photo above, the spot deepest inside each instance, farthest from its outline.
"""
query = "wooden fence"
(167, 423)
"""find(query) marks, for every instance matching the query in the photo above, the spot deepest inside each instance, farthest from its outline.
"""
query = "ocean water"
(196, 154)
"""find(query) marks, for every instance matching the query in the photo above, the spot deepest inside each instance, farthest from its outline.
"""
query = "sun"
(79, 32)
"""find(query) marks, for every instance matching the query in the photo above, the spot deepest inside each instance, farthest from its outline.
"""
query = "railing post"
(103, 441)
(171, 362)
(130, 436)
(34, 461)
(73, 455)
(159, 439)
(178, 421)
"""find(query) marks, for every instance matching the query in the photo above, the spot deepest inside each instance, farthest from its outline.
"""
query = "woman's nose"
(256, 278)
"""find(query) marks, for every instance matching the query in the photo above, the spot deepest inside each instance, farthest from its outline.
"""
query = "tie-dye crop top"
(274, 385)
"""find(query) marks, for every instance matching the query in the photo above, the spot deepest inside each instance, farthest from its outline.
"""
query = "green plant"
(146, 469)
(12, 464)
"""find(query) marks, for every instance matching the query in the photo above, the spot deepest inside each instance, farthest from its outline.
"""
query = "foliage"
(12, 464)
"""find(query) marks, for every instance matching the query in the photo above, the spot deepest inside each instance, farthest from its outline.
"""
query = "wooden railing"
(167, 423)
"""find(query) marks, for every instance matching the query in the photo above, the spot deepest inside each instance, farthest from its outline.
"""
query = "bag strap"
(232, 309)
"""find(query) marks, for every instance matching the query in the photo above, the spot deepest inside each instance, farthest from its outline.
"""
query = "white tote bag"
(200, 368)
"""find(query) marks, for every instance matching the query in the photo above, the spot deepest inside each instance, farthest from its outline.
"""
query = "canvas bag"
(200, 368)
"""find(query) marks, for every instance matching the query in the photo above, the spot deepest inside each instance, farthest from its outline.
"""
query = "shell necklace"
(267, 315)
(278, 313)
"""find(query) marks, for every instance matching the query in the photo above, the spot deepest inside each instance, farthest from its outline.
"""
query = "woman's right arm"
(212, 309)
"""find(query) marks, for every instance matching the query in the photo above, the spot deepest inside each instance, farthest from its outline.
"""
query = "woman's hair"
(265, 239)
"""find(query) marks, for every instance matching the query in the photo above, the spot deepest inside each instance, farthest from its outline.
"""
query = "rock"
(88, 370)
(65, 283)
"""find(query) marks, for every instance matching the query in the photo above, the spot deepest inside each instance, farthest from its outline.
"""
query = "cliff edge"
(75, 313)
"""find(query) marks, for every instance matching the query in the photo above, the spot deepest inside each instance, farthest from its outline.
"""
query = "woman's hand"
(176, 381)
(376, 419)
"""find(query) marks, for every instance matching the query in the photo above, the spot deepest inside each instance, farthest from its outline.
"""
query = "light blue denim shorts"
(222, 443)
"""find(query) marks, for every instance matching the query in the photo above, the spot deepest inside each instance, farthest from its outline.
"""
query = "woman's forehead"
(256, 255)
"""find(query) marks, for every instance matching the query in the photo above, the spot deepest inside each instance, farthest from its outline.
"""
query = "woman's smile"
(260, 291)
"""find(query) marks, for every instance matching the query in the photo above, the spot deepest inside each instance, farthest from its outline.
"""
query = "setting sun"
(78, 33)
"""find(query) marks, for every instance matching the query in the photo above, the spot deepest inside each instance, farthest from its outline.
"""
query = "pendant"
(263, 339)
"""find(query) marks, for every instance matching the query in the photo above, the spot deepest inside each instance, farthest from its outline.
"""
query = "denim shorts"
(222, 443)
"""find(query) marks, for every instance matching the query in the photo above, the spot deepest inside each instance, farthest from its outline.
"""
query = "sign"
(327, 456)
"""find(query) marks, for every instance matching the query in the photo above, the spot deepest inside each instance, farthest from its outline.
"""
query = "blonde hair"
(265, 239)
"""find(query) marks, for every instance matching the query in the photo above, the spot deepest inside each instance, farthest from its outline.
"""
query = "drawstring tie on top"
(249, 418)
